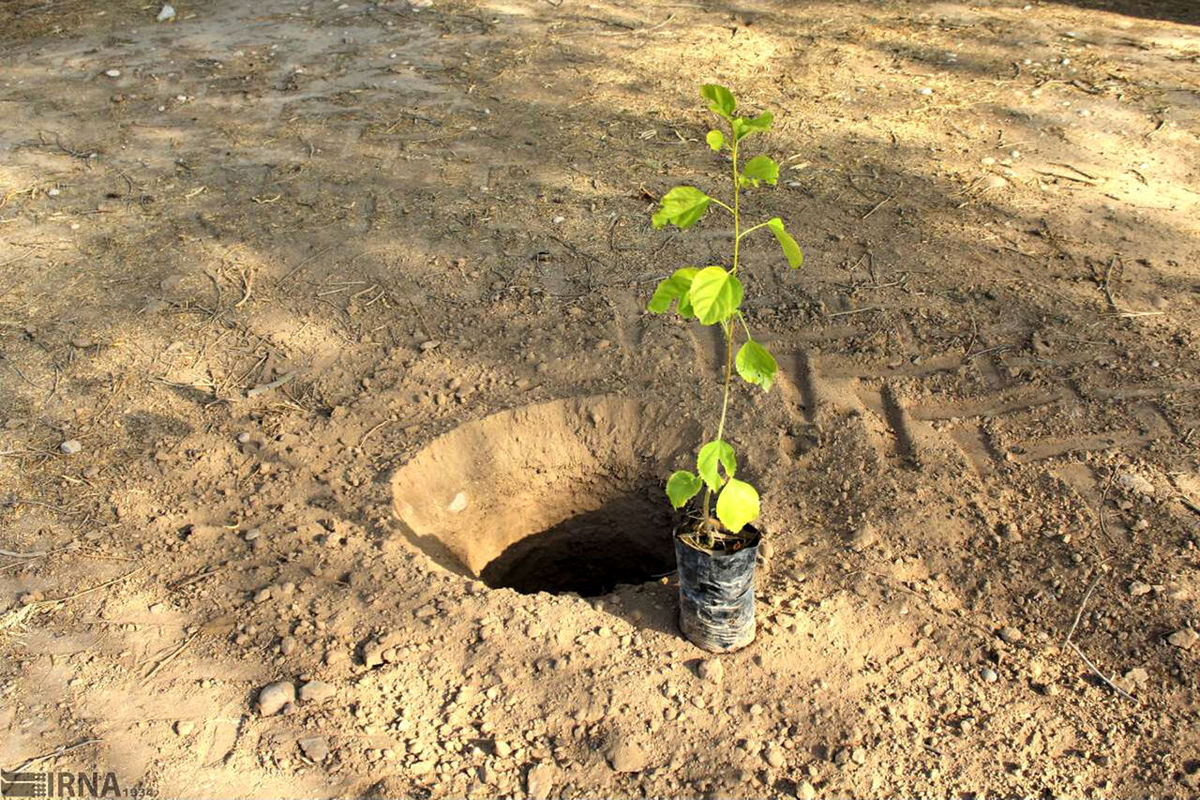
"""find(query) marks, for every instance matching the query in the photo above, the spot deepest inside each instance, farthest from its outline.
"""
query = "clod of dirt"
(806, 791)
(864, 537)
(1183, 638)
(1137, 588)
(1010, 634)
(317, 692)
(275, 697)
(711, 670)
(992, 182)
(1136, 676)
(540, 780)
(564, 496)
(183, 727)
(315, 748)
(627, 757)
(376, 652)
(1135, 483)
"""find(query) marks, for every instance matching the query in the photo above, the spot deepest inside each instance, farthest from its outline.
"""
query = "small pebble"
(540, 780)
(315, 748)
(1183, 638)
(990, 675)
(70, 447)
(275, 697)
(317, 692)
(113, 73)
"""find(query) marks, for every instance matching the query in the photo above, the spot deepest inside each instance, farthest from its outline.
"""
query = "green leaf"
(737, 505)
(739, 128)
(744, 126)
(682, 207)
(720, 100)
(715, 295)
(761, 123)
(715, 140)
(756, 365)
(682, 486)
(715, 453)
(674, 288)
(761, 168)
(795, 257)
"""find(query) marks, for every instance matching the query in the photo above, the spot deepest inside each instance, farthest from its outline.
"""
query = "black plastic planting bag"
(716, 595)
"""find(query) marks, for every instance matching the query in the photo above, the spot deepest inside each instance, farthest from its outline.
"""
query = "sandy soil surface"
(321, 327)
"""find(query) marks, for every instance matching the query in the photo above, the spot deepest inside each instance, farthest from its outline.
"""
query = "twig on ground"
(420, 318)
(1082, 603)
(303, 264)
(266, 387)
(34, 554)
(166, 660)
(630, 32)
(877, 206)
(372, 430)
(854, 311)
(55, 753)
(1088, 594)
(1074, 169)
(207, 572)
(1106, 286)
(1100, 674)
(247, 276)
(17, 617)
(1060, 176)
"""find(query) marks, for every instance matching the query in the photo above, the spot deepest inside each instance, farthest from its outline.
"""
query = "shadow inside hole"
(626, 541)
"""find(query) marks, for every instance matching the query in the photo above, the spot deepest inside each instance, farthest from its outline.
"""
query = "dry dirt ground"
(321, 324)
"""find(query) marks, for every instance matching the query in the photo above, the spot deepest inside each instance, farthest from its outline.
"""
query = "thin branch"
(1100, 674)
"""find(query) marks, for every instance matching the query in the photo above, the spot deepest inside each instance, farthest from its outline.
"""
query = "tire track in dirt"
(917, 434)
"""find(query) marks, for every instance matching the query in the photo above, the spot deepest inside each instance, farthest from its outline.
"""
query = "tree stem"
(728, 328)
